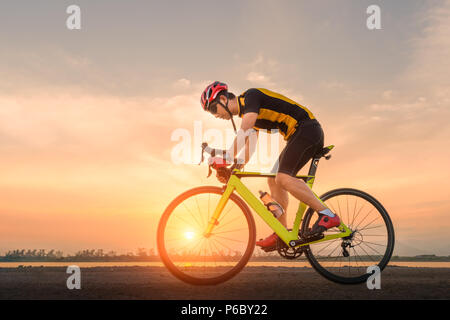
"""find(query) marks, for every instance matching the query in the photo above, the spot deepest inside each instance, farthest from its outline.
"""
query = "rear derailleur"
(344, 245)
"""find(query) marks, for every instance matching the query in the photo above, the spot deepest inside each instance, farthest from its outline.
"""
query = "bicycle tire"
(390, 237)
(174, 270)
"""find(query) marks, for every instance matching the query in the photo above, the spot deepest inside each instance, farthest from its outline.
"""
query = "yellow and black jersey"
(274, 110)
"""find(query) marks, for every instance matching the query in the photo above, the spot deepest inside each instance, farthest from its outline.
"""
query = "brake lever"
(204, 145)
(209, 172)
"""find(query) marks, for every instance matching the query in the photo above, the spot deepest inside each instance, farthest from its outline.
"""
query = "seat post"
(316, 159)
(313, 166)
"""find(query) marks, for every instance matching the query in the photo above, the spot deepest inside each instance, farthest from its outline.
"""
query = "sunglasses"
(212, 108)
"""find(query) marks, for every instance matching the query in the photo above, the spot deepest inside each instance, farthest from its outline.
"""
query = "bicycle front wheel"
(194, 258)
(371, 243)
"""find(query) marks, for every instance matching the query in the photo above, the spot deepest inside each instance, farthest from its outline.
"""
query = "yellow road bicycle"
(207, 234)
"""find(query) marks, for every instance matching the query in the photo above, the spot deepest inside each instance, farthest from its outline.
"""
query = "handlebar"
(211, 151)
(216, 163)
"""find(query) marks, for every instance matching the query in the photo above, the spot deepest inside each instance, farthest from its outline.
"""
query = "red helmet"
(211, 92)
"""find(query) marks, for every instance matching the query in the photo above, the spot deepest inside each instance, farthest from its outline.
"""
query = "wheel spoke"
(212, 253)
(364, 218)
(334, 250)
(371, 228)
(186, 222)
(195, 219)
(339, 206)
(353, 217)
(371, 258)
(220, 227)
(365, 243)
(200, 212)
(223, 215)
(377, 244)
(359, 211)
(348, 216)
(332, 208)
(224, 245)
(226, 238)
(209, 198)
(229, 231)
(371, 222)
(327, 245)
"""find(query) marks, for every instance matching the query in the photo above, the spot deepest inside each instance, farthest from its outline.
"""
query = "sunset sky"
(86, 116)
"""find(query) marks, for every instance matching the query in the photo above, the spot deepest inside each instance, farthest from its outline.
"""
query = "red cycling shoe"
(323, 224)
(268, 242)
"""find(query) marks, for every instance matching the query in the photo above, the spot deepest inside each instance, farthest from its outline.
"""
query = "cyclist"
(264, 109)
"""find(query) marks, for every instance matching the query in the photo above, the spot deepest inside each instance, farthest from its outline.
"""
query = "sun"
(189, 235)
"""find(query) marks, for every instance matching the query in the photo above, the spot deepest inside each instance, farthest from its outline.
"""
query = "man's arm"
(244, 137)
(249, 149)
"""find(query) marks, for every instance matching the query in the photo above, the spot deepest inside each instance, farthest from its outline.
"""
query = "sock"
(327, 212)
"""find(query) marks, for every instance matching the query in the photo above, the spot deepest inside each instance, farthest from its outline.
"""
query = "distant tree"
(111, 254)
(41, 253)
(142, 252)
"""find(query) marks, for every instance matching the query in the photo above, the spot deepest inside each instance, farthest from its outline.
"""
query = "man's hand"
(238, 166)
(223, 174)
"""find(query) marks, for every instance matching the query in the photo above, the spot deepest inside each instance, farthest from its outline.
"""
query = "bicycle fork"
(214, 221)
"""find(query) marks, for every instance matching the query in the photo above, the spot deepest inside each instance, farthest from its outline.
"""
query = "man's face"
(221, 112)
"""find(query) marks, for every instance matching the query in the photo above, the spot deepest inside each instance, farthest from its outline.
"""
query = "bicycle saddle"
(323, 152)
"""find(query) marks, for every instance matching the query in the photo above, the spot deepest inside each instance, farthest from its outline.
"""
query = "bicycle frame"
(234, 183)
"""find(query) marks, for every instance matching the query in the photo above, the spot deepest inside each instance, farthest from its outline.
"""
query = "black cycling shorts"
(306, 141)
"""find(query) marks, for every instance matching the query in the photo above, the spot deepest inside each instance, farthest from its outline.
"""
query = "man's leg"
(281, 196)
(299, 190)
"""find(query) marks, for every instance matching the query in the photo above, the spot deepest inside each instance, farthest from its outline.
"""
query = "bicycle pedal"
(269, 249)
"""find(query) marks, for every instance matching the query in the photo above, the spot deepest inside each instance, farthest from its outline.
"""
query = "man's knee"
(271, 182)
(282, 180)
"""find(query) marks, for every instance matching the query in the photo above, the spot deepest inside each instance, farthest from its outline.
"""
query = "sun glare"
(189, 235)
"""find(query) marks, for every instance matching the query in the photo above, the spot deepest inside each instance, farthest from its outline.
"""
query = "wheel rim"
(194, 257)
(369, 244)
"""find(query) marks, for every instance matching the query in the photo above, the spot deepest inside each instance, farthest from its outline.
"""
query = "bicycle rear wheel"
(345, 260)
(200, 260)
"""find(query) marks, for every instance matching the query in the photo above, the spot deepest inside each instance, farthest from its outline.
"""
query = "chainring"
(288, 252)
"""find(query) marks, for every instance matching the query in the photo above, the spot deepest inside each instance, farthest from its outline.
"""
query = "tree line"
(141, 254)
